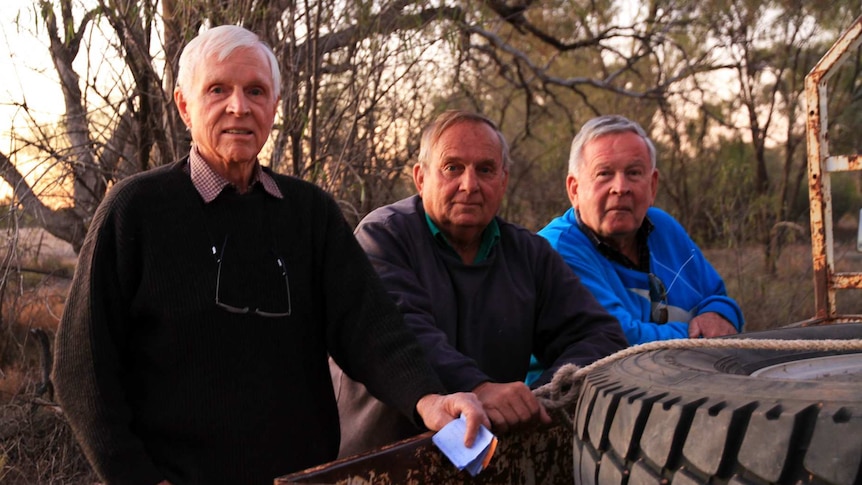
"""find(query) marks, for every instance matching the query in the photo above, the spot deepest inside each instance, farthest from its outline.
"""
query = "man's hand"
(510, 405)
(436, 411)
(709, 324)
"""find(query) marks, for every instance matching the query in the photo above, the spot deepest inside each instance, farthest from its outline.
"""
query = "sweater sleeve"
(88, 365)
(366, 333)
(387, 248)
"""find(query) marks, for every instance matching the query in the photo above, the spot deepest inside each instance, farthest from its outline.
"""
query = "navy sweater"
(160, 383)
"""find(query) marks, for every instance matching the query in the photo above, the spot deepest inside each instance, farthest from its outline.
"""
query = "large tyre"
(721, 416)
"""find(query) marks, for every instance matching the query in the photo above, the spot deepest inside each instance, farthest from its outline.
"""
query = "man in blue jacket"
(636, 259)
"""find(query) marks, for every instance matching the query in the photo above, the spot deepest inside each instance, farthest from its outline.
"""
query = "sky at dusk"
(28, 74)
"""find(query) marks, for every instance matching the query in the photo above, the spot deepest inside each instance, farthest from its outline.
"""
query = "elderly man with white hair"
(210, 292)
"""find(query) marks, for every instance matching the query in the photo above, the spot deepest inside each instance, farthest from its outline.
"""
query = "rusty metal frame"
(820, 167)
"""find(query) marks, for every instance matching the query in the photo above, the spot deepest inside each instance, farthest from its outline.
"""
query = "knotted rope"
(565, 386)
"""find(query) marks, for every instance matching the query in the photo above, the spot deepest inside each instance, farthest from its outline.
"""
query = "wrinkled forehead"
(469, 140)
(247, 64)
(619, 148)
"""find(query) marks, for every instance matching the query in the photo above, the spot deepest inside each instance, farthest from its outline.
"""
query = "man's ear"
(654, 182)
(277, 105)
(505, 179)
(182, 107)
(572, 190)
(418, 177)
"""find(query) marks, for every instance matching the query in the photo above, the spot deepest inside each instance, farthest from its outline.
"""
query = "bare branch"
(61, 223)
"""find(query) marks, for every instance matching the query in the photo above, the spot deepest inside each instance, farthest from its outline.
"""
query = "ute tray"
(540, 456)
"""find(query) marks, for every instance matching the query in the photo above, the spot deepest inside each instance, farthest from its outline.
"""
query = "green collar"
(490, 237)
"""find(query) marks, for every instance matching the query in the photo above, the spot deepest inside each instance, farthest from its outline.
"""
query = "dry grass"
(772, 301)
(36, 444)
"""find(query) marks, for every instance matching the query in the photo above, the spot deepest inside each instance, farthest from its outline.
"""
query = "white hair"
(432, 133)
(220, 42)
(603, 125)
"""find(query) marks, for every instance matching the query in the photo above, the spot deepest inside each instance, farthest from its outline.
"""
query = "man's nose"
(620, 185)
(237, 103)
(469, 180)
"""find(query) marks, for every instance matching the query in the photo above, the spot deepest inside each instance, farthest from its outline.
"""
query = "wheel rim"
(845, 368)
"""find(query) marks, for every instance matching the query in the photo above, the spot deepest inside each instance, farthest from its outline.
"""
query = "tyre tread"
(705, 429)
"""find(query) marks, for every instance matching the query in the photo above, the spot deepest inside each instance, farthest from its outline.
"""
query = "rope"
(565, 386)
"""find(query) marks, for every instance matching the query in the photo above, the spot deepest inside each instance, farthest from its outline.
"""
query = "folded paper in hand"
(450, 440)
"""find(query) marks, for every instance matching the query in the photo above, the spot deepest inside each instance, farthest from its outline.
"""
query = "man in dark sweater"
(208, 294)
(480, 293)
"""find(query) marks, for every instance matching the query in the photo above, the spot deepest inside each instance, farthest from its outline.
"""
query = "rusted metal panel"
(539, 456)
(838, 53)
(847, 280)
(843, 163)
(815, 191)
(820, 164)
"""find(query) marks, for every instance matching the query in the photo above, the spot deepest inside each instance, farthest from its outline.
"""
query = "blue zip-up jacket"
(693, 286)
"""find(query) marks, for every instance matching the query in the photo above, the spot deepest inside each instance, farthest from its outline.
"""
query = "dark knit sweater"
(160, 383)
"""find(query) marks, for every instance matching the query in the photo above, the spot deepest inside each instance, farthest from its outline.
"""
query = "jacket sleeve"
(571, 325)
(88, 365)
(715, 294)
(705, 285)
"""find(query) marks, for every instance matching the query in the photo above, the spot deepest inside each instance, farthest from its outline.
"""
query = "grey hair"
(432, 133)
(600, 126)
(221, 41)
